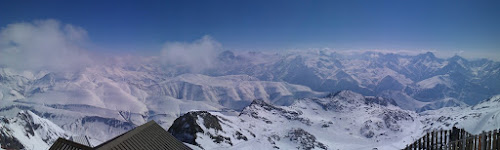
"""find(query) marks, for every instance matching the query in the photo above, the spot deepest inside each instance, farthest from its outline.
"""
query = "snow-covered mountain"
(423, 77)
(484, 116)
(28, 131)
(115, 100)
(117, 96)
(344, 120)
(233, 91)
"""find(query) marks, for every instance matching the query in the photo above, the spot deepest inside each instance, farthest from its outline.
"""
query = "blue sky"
(470, 26)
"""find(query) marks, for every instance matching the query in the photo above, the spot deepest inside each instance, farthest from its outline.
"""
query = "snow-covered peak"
(306, 124)
(203, 129)
(484, 116)
(29, 131)
(493, 102)
(347, 96)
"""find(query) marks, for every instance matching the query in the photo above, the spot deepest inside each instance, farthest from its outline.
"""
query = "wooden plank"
(474, 142)
(441, 138)
(463, 140)
(466, 141)
(481, 141)
(497, 139)
(436, 136)
(435, 140)
(494, 139)
(419, 143)
(490, 141)
(459, 142)
(427, 140)
(432, 140)
(438, 141)
(446, 137)
(469, 141)
(467, 144)
(438, 145)
(486, 142)
(423, 143)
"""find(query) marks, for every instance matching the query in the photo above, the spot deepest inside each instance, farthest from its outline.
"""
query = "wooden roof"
(149, 136)
(81, 139)
(63, 144)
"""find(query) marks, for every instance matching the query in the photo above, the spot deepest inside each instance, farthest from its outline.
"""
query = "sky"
(466, 27)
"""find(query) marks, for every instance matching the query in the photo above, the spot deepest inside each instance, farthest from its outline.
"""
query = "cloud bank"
(43, 44)
(197, 56)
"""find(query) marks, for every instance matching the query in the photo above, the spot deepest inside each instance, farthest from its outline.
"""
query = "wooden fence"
(457, 139)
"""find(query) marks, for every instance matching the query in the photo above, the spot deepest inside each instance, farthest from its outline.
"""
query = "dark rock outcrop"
(186, 127)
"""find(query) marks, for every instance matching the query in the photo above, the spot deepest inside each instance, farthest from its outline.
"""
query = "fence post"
(419, 145)
(495, 138)
(464, 142)
(498, 139)
(438, 139)
(486, 141)
(465, 145)
(432, 140)
(435, 139)
(446, 138)
(441, 139)
(489, 140)
(427, 144)
(483, 140)
(459, 137)
(469, 141)
(474, 142)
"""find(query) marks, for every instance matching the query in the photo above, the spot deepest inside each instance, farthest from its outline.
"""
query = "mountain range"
(251, 95)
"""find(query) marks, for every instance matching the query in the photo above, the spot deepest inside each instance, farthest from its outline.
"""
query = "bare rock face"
(7, 141)
(187, 126)
(305, 139)
(258, 106)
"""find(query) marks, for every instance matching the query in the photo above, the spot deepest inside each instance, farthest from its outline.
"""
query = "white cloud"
(198, 55)
(43, 44)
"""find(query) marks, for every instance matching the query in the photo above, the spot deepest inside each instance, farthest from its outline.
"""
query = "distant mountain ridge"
(373, 73)
(117, 97)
